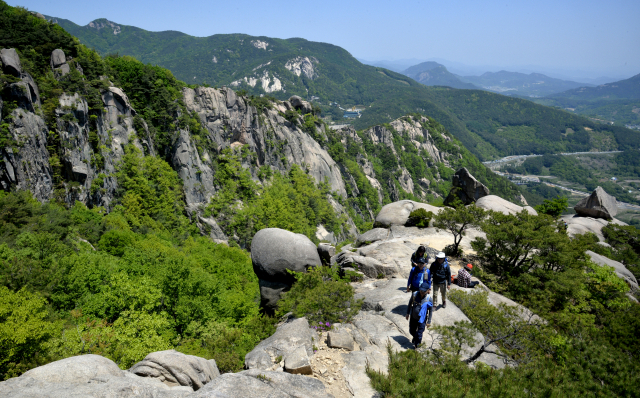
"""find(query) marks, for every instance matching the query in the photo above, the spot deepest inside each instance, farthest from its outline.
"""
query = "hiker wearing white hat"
(441, 278)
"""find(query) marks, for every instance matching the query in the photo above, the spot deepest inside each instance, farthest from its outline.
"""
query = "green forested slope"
(490, 125)
(434, 74)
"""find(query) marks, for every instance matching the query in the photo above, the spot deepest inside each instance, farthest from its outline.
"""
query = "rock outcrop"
(465, 188)
(496, 203)
(274, 251)
(288, 337)
(177, 369)
(598, 205)
(397, 213)
(577, 225)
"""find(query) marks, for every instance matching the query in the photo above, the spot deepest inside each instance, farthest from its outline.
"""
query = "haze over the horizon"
(578, 38)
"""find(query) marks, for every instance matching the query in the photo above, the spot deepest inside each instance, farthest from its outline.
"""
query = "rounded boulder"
(274, 251)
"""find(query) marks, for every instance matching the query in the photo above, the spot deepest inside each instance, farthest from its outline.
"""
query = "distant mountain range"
(488, 124)
(434, 74)
(623, 89)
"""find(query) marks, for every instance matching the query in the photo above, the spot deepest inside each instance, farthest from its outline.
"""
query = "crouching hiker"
(419, 273)
(464, 277)
(420, 309)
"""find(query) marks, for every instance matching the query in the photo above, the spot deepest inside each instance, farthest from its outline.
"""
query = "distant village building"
(614, 179)
(352, 114)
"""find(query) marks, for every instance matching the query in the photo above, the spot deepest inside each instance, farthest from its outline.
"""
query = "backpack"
(416, 306)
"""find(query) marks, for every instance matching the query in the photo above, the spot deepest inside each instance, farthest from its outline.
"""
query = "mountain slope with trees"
(280, 68)
(434, 74)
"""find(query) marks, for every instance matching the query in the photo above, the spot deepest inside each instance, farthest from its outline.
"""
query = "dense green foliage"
(321, 296)
(625, 246)
(419, 218)
(292, 202)
(554, 207)
(121, 284)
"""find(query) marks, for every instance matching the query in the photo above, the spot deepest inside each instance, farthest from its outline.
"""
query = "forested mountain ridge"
(95, 120)
(623, 89)
(281, 68)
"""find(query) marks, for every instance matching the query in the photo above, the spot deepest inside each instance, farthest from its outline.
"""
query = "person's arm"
(448, 273)
(409, 307)
(409, 280)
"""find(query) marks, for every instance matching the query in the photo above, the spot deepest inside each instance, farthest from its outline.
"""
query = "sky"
(568, 38)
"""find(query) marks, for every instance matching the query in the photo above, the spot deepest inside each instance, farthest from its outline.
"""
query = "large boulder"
(78, 369)
(496, 203)
(175, 368)
(287, 338)
(466, 188)
(57, 58)
(397, 213)
(620, 269)
(274, 251)
(11, 61)
(598, 205)
(300, 104)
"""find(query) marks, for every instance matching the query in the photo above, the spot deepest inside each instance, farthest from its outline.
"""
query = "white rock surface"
(496, 203)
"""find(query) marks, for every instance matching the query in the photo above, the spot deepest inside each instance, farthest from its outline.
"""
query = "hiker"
(418, 254)
(420, 310)
(440, 278)
(419, 274)
(464, 277)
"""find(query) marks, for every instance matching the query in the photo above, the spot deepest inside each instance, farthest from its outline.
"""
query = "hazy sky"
(587, 37)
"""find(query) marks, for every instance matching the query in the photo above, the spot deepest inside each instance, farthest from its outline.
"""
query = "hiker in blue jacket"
(420, 310)
(419, 273)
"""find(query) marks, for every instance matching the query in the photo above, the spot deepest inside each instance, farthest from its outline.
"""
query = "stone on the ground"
(465, 188)
(598, 205)
(258, 383)
(340, 339)
(175, 368)
(369, 266)
(326, 251)
(373, 235)
(620, 269)
(78, 369)
(297, 362)
(11, 61)
(496, 203)
(397, 213)
(274, 251)
(287, 338)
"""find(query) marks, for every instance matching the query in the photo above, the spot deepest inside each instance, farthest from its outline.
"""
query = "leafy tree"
(321, 296)
(24, 331)
(458, 220)
(554, 207)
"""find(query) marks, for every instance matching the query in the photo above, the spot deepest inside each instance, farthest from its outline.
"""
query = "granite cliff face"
(277, 135)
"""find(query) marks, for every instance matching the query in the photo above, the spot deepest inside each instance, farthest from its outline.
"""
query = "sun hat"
(440, 255)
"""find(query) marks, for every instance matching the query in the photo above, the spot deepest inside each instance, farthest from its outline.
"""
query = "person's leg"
(413, 326)
(436, 287)
(419, 332)
(429, 314)
(444, 295)
(473, 284)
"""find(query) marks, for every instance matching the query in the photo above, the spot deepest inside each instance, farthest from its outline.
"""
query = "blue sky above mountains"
(587, 38)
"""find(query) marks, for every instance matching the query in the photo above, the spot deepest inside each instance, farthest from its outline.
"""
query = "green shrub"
(419, 218)
(321, 296)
